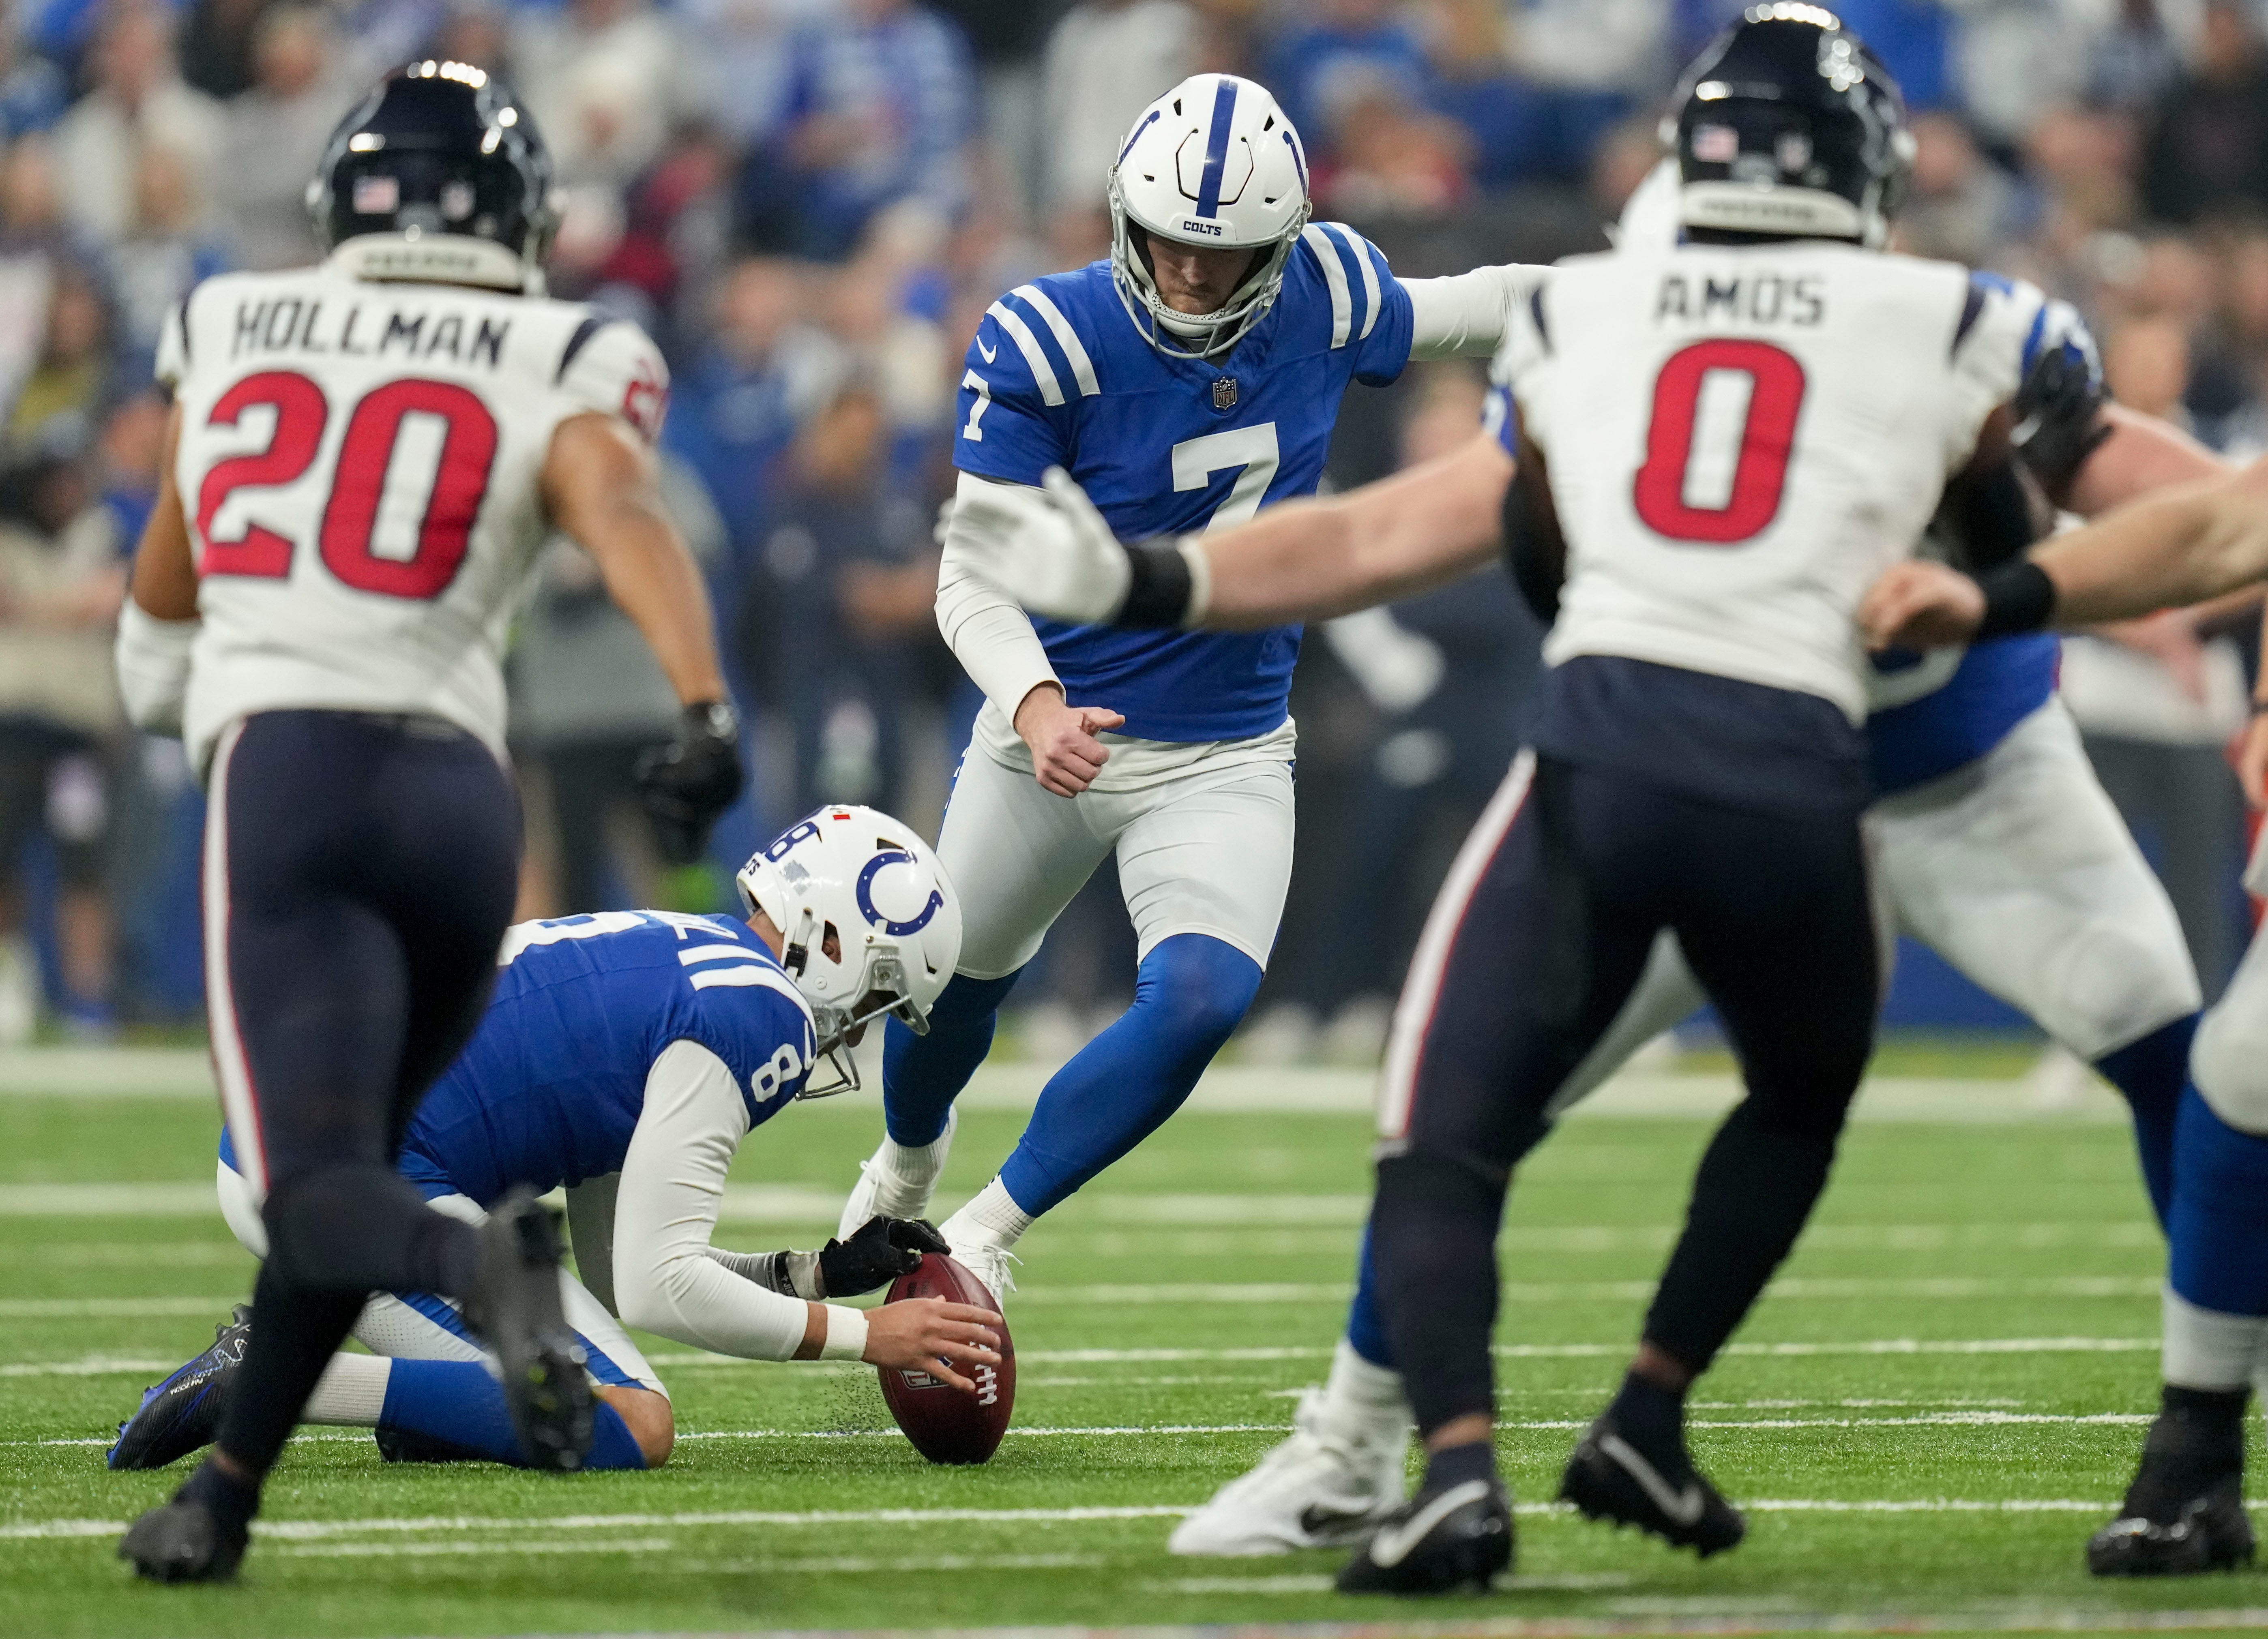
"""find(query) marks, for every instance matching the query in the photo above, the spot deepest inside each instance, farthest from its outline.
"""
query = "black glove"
(687, 784)
(882, 1250)
(2059, 417)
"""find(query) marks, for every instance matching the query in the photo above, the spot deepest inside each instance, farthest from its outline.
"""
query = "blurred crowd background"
(810, 203)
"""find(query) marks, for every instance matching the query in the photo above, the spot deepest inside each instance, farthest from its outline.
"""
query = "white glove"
(1050, 550)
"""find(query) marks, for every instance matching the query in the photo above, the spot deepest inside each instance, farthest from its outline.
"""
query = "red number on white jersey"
(1759, 469)
(300, 414)
(460, 478)
(365, 464)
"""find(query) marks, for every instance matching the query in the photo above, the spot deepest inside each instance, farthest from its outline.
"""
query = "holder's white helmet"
(1213, 162)
(869, 922)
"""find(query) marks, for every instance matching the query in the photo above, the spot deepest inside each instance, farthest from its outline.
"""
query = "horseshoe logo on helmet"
(896, 930)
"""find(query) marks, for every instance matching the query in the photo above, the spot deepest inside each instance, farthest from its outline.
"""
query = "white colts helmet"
(870, 924)
(1213, 162)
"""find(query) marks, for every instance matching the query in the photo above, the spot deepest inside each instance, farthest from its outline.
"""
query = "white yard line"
(92, 1308)
(326, 1529)
(333, 1529)
(1226, 1089)
(1920, 1420)
(91, 1366)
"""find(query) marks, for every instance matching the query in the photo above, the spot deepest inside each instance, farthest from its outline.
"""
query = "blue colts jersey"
(1059, 375)
(551, 1086)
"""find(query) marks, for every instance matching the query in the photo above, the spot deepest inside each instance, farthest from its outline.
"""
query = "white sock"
(2205, 1349)
(1362, 1400)
(351, 1393)
(909, 1172)
(993, 1218)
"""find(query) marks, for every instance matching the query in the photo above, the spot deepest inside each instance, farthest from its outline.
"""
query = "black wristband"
(714, 718)
(1158, 592)
(2019, 597)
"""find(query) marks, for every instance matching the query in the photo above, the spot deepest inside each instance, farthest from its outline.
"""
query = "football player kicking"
(1993, 843)
(2184, 1511)
(1189, 381)
(362, 459)
(1731, 469)
(626, 1056)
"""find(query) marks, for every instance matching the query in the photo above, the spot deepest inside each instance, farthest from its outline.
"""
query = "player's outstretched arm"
(1303, 560)
(158, 620)
(665, 1280)
(2170, 548)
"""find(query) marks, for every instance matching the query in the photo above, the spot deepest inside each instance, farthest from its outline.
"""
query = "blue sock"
(1191, 994)
(457, 1404)
(2152, 1073)
(923, 1074)
(1365, 1329)
(2219, 1222)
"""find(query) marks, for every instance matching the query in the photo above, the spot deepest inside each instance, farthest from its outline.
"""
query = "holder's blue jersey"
(1938, 712)
(552, 1083)
(1059, 375)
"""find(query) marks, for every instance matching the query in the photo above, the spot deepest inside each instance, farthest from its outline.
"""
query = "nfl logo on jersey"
(1224, 393)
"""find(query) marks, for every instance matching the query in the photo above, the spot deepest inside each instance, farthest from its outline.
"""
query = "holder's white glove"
(1048, 549)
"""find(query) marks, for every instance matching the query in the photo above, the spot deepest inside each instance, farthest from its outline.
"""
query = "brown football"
(947, 1424)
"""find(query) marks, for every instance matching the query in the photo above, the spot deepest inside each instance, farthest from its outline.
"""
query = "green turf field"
(1940, 1399)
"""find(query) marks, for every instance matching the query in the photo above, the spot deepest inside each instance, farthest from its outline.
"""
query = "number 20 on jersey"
(466, 453)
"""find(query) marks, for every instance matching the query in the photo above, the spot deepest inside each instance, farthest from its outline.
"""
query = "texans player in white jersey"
(1698, 766)
(625, 1057)
(1189, 380)
(1992, 843)
(2185, 1510)
(362, 459)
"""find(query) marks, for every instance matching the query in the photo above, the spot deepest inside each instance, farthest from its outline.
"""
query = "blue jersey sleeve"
(1025, 368)
(1370, 311)
(762, 1031)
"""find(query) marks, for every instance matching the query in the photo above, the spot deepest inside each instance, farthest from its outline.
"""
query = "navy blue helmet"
(434, 167)
(1787, 125)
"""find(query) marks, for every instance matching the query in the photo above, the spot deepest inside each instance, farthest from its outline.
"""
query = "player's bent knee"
(2112, 987)
(648, 1417)
(1206, 985)
(2229, 1063)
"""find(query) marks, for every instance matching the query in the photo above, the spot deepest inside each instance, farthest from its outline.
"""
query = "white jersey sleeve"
(360, 465)
(614, 368)
(672, 1183)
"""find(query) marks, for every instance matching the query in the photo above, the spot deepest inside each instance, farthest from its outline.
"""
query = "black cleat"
(2184, 1513)
(1659, 1491)
(182, 1414)
(515, 1308)
(182, 1542)
(1436, 1542)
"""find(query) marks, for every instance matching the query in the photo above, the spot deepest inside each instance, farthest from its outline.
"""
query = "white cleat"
(882, 1192)
(1318, 1490)
(988, 1263)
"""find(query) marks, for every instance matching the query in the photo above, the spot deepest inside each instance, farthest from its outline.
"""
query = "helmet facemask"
(1205, 334)
(868, 928)
(883, 991)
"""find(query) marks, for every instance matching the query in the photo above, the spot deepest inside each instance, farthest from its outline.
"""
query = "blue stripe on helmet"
(1297, 158)
(1136, 136)
(1224, 109)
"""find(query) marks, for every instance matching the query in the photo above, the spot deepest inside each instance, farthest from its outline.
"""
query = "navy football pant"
(359, 875)
(1540, 933)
